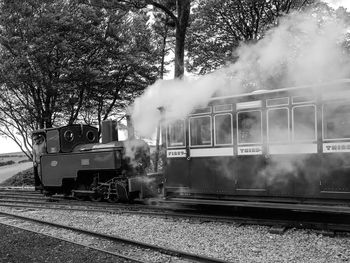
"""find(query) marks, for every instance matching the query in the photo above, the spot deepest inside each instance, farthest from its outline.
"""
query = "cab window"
(200, 131)
(249, 127)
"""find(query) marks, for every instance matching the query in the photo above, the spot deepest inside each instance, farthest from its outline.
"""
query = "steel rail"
(167, 251)
(81, 204)
(126, 209)
(100, 205)
(17, 188)
(20, 193)
(110, 210)
(240, 220)
(47, 202)
(22, 197)
(54, 207)
(79, 244)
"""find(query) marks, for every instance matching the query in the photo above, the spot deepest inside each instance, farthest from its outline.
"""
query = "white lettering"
(336, 147)
(176, 153)
(249, 150)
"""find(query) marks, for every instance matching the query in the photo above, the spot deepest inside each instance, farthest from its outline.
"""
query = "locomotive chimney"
(130, 127)
(109, 131)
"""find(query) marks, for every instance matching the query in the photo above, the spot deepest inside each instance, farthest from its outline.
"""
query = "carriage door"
(335, 177)
(250, 161)
(177, 172)
(202, 179)
(280, 180)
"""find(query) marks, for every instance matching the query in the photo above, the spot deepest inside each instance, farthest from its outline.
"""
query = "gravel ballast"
(213, 239)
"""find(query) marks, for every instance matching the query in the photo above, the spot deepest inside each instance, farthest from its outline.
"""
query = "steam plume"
(306, 48)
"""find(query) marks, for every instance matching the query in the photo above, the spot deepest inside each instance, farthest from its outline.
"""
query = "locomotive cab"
(58, 140)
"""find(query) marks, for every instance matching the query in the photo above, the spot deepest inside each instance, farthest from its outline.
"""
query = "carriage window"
(277, 102)
(249, 127)
(176, 134)
(278, 125)
(223, 129)
(304, 124)
(224, 107)
(200, 131)
(202, 110)
(336, 121)
(302, 99)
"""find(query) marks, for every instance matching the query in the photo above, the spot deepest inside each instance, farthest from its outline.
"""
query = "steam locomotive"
(70, 160)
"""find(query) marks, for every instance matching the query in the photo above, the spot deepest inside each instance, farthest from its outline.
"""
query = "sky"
(336, 3)
(8, 146)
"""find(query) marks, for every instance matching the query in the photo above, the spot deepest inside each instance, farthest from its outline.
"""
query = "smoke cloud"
(178, 97)
(306, 48)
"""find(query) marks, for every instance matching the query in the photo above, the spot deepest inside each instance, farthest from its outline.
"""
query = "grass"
(15, 170)
(23, 178)
(7, 163)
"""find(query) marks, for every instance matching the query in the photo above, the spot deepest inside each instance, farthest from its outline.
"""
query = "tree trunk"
(183, 15)
(162, 62)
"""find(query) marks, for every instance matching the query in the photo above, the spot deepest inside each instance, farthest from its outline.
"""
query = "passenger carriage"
(284, 145)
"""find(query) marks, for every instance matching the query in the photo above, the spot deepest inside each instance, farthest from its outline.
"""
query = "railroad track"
(17, 188)
(278, 223)
(14, 224)
(20, 192)
(138, 248)
(22, 196)
(79, 205)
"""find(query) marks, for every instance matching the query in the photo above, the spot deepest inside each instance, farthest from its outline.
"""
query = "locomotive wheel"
(95, 198)
(81, 197)
(113, 199)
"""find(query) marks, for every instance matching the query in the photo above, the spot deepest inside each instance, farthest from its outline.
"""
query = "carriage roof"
(320, 87)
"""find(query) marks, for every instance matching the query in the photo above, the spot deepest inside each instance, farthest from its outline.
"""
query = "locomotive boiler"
(70, 160)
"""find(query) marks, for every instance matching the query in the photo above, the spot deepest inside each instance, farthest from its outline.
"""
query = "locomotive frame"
(283, 145)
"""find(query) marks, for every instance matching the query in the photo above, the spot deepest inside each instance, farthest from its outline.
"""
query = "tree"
(178, 12)
(218, 28)
(163, 38)
(181, 21)
(123, 71)
(60, 58)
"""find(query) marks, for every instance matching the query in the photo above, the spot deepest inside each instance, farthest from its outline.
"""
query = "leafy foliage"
(177, 14)
(69, 61)
(218, 28)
